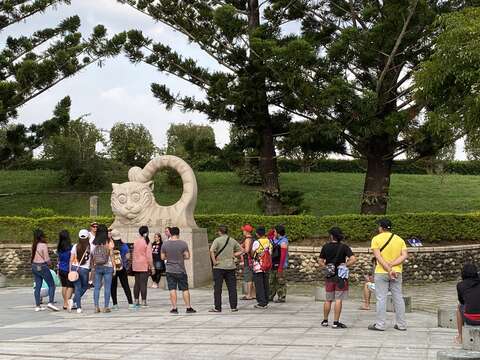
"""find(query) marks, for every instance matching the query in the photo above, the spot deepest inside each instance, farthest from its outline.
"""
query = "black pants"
(156, 277)
(122, 275)
(230, 279)
(140, 287)
(261, 287)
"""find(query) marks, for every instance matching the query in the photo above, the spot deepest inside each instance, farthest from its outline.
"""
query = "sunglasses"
(94, 226)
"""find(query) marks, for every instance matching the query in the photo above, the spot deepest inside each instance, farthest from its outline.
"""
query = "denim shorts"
(175, 281)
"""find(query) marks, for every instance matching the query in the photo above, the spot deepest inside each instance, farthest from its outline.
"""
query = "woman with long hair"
(40, 268)
(121, 256)
(80, 263)
(142, 263)
(102, 266)
(64, 249)
(158, 263)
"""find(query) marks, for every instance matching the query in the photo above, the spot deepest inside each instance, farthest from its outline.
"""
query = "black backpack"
(276, 253)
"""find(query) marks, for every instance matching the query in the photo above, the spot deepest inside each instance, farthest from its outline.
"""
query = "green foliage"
(430, 227)
(74, 147)
(249, 174)
(41, 212)
(131, 144)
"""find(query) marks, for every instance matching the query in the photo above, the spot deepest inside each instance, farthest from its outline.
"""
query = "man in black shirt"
(468, 291)
(335, 256)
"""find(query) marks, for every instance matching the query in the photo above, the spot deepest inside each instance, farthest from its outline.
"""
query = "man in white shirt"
(93, 232)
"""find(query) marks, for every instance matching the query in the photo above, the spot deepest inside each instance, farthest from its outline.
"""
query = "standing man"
(247, 230)
(223, 252)
(333, 256)
(92, 233)
(175, 251)
(278, 284)
(260, 276)
(390, 252)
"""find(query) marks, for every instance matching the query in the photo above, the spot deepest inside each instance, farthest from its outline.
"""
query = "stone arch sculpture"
(133, 203)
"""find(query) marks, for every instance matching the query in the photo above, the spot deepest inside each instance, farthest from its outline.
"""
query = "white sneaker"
(39, 308)
(52, 307)
(69, 305)
(79, 310)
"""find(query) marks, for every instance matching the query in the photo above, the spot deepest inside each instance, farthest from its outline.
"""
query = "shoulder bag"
(72, 274)
(330, 269)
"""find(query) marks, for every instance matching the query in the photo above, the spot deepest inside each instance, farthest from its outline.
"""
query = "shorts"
(247, 274)
(63, 275)
(467, 320)
(175, 281)
(334, 290)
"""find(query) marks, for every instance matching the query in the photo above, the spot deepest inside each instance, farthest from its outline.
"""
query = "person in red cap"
(247, 262)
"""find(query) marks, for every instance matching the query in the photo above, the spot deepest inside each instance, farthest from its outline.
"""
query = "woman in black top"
(158, 263)
(468, 291)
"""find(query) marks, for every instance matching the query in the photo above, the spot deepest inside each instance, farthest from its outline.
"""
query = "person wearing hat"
(247, 230)
(93, 232)
(223, 252)
(121, 256)
(80, 262)
(260, 276)
(390, 252)
(334, 256)
(278, 284)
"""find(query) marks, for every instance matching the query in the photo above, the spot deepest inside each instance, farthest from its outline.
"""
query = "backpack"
(276, 253)
(265, 260)
(117, 260)
(100, 255)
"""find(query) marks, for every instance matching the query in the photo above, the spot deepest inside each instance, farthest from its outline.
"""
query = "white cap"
(83, 234)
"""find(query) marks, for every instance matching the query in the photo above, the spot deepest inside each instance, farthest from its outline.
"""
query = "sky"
(120, 91)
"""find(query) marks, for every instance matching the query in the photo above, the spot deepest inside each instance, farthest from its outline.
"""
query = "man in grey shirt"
(175, 251)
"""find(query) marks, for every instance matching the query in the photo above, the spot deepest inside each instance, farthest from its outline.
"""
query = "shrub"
(41, 212)
(431, 227)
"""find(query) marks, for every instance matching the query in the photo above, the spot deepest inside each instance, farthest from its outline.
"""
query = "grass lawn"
(325, 193)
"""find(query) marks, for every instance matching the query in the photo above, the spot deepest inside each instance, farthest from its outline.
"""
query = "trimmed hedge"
(431, 227)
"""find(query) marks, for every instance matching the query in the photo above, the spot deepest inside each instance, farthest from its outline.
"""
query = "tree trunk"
(377, 185)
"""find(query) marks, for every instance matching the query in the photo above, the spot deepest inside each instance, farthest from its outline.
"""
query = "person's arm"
(186, 254)
(322, 262)
(149, 256)
(400, 259)
(283, 256)
(381, 260)
(460, 295)
(237, 249)
(351, 260)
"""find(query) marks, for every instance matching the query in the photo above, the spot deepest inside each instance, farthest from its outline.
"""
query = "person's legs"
(136, 288)
(38, 284)
(47, 276)
(143, 285)
(64, 296)
(217, 288)
(113, 288)
(281, 287)
(107, 285)
(265, 283)
(186, 299)
(122, 275)
(83, 275)
(173, 298)
(272, 285)
(338, 310)
(231, 280)
(172, 287)
(381, 290)
(99, 275)
(258, 279)
(366, 297)
(459, 338)
(327, 306)
(398, 302)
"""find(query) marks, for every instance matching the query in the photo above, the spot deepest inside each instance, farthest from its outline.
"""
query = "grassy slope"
(325, 193)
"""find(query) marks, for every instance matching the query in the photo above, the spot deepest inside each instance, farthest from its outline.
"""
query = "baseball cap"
(116, 234)
(94, 223)
(83, 234)
(261, 231)
(247, 228)
(385, 223)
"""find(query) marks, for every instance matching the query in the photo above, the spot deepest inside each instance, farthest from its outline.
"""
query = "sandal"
(363, 307)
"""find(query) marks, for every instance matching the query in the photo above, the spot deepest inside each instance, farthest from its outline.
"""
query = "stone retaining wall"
(426, 264)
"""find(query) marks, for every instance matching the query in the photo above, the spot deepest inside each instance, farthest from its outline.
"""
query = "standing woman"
(102, 265)
(80, 263)
(158, 263)
(40, 268)
(64, 249)
(121, 256)
(142, 263)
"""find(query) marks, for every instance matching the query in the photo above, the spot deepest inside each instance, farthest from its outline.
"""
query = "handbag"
(330, 269)
(73, 275)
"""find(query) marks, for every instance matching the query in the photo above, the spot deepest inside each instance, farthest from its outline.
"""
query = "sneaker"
(79, 310)
(214, 310)
(39, 308)
(69, 305)
(190, 311)
(234, 310)
(338, 325)
(132, 307)
(154, 286)
(174, 311)
(97, 310)
(258, 306)
(52, 307)
(374, 327)
(115, 308)
(396, 327)
(107, 310)
(324, 323)
(144, 303)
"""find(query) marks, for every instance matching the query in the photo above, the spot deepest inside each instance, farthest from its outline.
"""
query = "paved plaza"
(283, 331)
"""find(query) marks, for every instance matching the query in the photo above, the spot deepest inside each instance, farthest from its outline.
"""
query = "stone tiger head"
(133, 200)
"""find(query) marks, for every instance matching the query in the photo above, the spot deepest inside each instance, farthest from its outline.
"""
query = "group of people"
(100, 258)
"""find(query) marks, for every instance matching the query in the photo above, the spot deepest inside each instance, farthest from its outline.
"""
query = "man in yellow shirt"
(390, 252)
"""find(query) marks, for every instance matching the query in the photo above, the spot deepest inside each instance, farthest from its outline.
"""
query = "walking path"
(283, 331)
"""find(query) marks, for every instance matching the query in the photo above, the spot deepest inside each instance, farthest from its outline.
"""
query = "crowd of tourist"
(99, 258)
